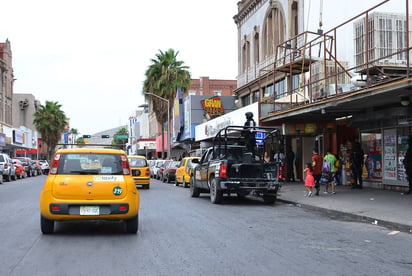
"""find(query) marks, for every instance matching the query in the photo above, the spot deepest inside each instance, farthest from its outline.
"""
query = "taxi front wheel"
(47, 225)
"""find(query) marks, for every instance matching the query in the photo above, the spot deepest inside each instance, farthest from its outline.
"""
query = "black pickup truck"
(228, 166)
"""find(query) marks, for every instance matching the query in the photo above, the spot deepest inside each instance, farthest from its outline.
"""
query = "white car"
(155, 168)
(44, 166)
(9, 171)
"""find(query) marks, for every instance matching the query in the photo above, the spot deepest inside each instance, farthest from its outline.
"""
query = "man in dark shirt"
(357, 161)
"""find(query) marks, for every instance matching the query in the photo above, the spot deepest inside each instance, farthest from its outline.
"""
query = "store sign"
(17, 137)
(213, 107)
(237, 117)
(310, 128)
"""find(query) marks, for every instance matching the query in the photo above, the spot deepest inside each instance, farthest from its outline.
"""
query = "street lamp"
(168, 121)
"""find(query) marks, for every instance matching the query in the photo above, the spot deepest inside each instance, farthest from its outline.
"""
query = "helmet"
(249, 115)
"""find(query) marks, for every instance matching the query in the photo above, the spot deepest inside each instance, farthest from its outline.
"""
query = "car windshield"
(137, 162)
(89, 163)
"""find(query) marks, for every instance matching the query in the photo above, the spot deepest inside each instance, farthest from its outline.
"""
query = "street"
(180, 235)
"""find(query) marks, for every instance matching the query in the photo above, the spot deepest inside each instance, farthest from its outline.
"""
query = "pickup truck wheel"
(194, 191)
(215, 194)
(269, 199)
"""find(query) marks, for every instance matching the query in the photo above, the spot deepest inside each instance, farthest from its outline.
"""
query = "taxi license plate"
(89, 210)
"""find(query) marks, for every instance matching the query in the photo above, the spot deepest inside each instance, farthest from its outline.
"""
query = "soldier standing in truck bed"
(248, 132)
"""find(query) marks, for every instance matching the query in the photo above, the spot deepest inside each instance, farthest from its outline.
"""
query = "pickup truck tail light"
(280, 173)
(223, 170)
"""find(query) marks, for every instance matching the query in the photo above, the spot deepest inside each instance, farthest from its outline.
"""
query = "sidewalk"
(385, 208)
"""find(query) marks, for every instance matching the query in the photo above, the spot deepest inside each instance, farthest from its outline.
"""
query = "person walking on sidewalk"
(331, 159)
(357, 162)
(407, 162)
(309, 180)
(317, 163)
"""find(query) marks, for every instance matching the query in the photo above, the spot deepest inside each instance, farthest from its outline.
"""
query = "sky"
(90, 55)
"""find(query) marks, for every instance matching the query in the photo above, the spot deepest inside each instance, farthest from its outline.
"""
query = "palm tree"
(163, 77)
(50, 121)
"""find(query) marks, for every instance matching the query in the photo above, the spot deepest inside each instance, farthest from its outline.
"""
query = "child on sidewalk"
(309, 179)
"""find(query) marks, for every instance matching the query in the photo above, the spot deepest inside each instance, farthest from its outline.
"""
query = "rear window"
(189, 163)
(2, 158)
(137, 162)
(90, 163)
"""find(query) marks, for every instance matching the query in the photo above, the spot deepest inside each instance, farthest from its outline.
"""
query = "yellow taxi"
(183, 172)
(140, 170)
(89, 184)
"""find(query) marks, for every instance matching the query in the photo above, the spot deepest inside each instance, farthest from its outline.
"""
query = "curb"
(334, 214)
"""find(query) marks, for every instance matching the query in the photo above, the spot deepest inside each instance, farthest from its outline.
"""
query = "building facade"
(300, 81)
(6, 83)
(17, 133)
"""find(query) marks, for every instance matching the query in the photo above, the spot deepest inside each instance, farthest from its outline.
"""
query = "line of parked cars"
(20, 167)
(169, 171)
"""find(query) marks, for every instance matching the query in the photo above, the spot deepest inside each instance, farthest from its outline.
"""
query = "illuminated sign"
(213, 107)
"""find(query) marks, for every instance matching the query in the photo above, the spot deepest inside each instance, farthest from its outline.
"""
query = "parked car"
(28, 165)
(155, 168)
(140, 170)
(89, 184)
(169, 173)
(1, 174)
(44, 166)
(184, 171)
(159, 173)
(20, 170)
(9, 171)
(37, 167)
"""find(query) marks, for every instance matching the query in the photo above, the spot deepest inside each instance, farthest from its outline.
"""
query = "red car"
(20, 170)
(169, 173)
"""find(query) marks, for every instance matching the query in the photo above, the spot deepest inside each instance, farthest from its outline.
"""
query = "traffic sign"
(121, 136)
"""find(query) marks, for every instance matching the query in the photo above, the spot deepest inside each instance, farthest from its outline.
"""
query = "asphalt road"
(180, 235)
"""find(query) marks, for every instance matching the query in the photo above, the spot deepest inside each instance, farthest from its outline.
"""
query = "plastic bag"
(326, 167)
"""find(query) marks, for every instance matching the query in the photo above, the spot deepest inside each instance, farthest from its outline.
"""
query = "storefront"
(385, 149)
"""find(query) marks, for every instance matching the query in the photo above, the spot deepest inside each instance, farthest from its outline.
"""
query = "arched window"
(274, 29)
(245, 54)
(256, 46)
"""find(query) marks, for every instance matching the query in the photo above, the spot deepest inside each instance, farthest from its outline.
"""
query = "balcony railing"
(324, 70)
